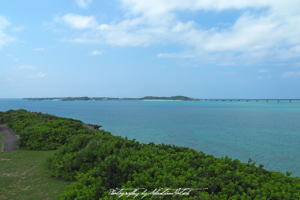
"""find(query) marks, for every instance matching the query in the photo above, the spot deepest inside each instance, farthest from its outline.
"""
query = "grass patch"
(1, 144)
(24, 175)
(1, 136)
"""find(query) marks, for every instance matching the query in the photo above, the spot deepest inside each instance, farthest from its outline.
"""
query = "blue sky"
(134, 48)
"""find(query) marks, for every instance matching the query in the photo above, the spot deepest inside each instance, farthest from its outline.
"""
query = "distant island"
(149, 98)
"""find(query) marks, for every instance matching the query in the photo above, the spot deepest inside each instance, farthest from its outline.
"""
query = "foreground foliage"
(1, 144)
(39, 131)
(100, 162)
(103, 162)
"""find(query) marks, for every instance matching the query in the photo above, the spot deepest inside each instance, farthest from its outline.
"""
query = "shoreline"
(160, 100)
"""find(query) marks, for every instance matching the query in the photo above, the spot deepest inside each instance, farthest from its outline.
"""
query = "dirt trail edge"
(10, 139)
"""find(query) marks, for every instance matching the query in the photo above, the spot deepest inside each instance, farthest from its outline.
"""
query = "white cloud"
(38, 75)
(182, 26)
(94, 53)
(9, 80)
(290, 74)
(3, 23)
(4, 39)
(39, 49)
(256, 36)
(78, 21)
(103, 27)
(263, 70)
(25, 67)
(83, 3)
(41, 74)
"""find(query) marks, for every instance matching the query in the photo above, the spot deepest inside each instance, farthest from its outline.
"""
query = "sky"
(133, 48)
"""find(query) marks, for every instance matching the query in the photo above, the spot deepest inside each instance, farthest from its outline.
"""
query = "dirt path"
(10, 139)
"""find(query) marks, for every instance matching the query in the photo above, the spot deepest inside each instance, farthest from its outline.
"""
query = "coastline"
(160, 100)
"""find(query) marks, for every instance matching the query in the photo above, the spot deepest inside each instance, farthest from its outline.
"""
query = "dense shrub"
(39, 131)
(82, 153)
(100, 162)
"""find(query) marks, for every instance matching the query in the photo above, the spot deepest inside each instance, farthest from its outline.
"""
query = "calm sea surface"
(268, 133)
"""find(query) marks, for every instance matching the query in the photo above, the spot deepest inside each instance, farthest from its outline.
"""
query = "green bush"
(39, 131)
(98, 162)
(103, 163)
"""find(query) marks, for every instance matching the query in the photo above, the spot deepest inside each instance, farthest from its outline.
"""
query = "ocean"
(266, 132)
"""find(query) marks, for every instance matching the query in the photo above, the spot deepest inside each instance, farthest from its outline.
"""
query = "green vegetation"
(182, 98)
(77, 98)
(82, 98)
(97, 161)
(24, 175)
(63, 99)
(101, 164)
(1, 144)
(39, 131)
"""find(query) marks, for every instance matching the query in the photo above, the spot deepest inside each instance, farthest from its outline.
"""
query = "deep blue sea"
(266, 132)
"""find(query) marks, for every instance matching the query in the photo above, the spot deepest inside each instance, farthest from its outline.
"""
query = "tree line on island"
(174, 98)
(96, 161)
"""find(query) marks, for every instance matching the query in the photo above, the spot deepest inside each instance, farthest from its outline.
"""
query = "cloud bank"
(290, 74)
(95, 53)
(263, 70)
(25, 67)
(267, 30)
(4, 39)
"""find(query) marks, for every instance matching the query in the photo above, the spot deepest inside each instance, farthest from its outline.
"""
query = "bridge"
(247, 100)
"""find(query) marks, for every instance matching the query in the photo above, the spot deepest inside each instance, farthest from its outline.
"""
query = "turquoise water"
(268, 133)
